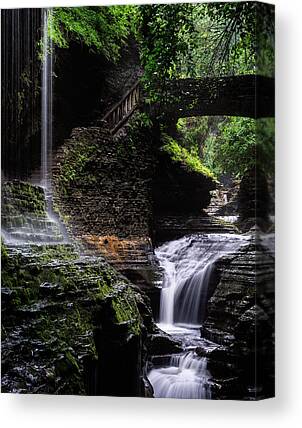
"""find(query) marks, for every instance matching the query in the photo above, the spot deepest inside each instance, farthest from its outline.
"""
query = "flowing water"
(46, 103)
(186, 377)
(41, 229)
(188, 264)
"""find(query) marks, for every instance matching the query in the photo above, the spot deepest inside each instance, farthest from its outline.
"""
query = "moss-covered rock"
(25, 216)
(53, 302)
(19, 197)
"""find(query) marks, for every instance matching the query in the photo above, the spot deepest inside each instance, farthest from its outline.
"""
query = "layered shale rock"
(102, 188)
(254, 200)
(178, 190)
(103, 185)
(172, 227)
(24, 215)
(240, 318)
(66, 320)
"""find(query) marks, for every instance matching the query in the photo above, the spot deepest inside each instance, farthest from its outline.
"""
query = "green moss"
(20, 198)
(125, 308)
(182, 155)
(47, 253)
(4, 254)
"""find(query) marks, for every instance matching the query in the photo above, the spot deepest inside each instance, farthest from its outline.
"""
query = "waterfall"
(186, 377)
(47, 104)
(22, 225)
(187, 265)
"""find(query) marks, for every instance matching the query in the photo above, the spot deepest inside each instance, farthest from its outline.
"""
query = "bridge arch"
(246, 96)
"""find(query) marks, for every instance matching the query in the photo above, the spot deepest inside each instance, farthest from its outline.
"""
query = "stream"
(187, 265)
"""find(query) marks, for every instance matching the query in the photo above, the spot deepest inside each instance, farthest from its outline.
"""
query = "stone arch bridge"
(246, 96)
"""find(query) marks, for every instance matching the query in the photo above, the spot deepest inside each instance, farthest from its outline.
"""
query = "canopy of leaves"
(179, 40)
(189, 40)
(193, 131)
(103, 29)
(162, 32)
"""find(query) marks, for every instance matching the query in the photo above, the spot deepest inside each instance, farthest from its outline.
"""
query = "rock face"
(172, 227)
(71, 323)
(253, 199)
(98, 81)
(113, 191)
(103, 185)
(178, 190)
(160, 343)
(240, 317)
(20, 89)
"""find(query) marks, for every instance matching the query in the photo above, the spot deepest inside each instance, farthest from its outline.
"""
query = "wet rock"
(54, 302)
(161, 343)
(240, 317)
(170, 227)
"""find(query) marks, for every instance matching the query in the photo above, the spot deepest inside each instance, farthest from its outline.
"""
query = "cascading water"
(47, 103)
(187, 265)
(46, 228)
(187, 377)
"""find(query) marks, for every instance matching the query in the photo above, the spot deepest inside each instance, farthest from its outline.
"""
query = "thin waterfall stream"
(46, 105)
(187, 265)
(48, 229)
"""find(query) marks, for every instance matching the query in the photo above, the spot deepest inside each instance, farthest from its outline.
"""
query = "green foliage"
(240, 144)
(194, 131)
(189, 40)
(230, 38)
(140, 120)
(181, 154)
(161, 33)
(103, 29)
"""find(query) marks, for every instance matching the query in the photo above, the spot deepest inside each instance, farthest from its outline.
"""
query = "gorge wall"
(240, 318)
(66, 317)
(112, 190)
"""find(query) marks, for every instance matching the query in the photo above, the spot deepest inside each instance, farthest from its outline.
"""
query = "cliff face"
(120, 186)
(66, 317)
(103, 184)
(113, 190)
(240, 317)
(177, 190)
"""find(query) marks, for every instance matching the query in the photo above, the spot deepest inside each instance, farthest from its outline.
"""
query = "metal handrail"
(121, 111)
